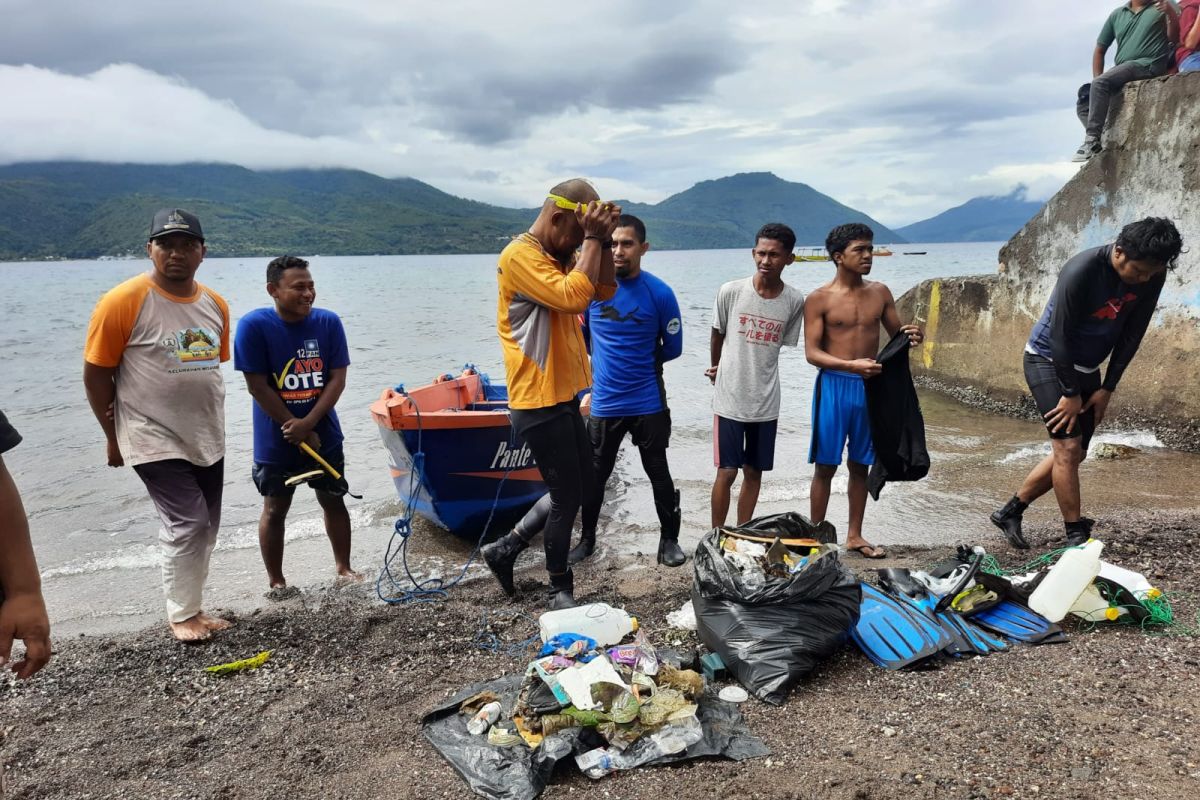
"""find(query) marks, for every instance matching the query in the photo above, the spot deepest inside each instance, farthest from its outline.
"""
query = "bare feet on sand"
(345, 575)
(281, 592)
(191, 630)
(214, 623)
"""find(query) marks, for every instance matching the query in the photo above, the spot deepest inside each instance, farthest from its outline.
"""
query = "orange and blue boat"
(454, 456)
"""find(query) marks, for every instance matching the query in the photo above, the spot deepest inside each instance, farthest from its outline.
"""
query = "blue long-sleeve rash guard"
(1091, 314)
(630, 338)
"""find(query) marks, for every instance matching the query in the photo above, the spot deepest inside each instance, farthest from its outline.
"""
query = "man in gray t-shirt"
(752, 319)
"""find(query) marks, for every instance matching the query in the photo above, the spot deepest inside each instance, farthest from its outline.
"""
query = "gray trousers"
(188, 500)
(1093, 110)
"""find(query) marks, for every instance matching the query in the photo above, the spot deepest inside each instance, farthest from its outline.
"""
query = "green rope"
(1159, 614)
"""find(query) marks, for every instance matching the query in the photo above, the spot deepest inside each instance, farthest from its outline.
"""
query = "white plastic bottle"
(600, 621)
(1066, 581)
(484, 719)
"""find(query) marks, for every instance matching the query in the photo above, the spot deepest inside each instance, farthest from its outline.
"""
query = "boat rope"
(395, 590)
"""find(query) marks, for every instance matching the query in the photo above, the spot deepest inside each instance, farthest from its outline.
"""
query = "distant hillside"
(982, 219)
(87, 210)
(727, 212)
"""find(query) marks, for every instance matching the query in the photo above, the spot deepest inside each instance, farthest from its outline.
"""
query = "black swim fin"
(892, 635)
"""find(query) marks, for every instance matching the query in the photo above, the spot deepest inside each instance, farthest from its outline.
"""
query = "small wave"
(1025, 453)
(137, 558)
(1143, 440)
(1140, 439)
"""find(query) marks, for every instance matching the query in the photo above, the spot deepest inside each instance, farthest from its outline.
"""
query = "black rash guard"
(1091, 314)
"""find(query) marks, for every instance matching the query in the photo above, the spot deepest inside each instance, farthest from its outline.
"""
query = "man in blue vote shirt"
(294, 358)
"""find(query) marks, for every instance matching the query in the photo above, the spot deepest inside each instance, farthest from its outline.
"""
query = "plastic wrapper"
(522, 773)
(772, 632)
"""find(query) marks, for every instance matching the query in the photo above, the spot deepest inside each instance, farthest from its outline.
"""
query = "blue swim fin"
(891, 634)
(1017, 622)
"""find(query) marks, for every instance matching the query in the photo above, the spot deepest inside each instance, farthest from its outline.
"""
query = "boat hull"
(454, 457)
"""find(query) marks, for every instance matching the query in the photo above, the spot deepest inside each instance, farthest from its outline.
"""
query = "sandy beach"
(336, 711)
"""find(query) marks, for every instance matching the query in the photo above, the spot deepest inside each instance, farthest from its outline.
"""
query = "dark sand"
(335, 712)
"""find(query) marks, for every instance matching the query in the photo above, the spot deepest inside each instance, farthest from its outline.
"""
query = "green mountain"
(87, 210)
(981, 219)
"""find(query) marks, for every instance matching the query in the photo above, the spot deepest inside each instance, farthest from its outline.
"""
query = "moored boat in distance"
(812, 254)
(915, 252)
(881, 251)
(453, 454)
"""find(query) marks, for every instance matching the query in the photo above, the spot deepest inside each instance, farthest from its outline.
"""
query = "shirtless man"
(841, 338)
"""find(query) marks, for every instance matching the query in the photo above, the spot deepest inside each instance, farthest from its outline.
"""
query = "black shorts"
(270, 478)
(744, 444)
(1043, 385)
(647, 431)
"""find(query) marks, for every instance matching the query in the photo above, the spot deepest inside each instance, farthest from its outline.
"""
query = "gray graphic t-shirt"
(747, 388)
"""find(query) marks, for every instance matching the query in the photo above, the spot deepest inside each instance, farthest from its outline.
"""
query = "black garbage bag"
(772, 634)
(790, 525)
(519, 773)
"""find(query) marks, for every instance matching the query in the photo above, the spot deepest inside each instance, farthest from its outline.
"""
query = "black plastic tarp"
(771, 634)
(519, 773)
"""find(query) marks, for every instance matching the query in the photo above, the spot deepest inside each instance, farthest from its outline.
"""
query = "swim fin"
(891, 634)
(965, 638)
(1014, 621)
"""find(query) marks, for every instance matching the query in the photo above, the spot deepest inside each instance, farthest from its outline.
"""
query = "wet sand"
(335, 712)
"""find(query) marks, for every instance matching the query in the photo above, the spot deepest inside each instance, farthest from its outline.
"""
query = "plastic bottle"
(1133, 582)
(483, 719)
(1066, 581)
(600, 621)
(595, 763)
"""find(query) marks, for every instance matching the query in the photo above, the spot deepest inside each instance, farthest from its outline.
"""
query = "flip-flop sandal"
(863, 548)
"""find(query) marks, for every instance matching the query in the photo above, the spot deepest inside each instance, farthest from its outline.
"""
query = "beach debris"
(733, 694)
(254, 662)
(683, 619)
(1113, 451)
(484, 718)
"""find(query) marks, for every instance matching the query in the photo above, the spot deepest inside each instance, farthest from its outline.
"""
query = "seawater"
(408, 319)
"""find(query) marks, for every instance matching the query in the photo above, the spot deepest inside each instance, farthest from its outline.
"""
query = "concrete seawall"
(977, 327)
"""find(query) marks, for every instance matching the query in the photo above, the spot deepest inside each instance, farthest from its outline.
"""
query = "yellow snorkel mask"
(571, 205)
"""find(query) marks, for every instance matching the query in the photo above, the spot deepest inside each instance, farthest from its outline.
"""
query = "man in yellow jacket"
(547, 277)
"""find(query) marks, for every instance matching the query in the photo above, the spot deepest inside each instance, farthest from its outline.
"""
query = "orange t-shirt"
(170, 394)
(545, 359)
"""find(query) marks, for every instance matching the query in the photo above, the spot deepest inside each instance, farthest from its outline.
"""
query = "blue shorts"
(744, 444)
(839, 413)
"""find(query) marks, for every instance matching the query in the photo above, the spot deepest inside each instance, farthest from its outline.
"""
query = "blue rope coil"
(388, 587)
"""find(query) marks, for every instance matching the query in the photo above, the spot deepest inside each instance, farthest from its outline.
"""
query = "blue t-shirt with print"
(631, 336)
(297, 358)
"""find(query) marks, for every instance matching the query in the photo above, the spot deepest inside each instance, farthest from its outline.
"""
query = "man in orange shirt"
(152, 372)
(543, 287)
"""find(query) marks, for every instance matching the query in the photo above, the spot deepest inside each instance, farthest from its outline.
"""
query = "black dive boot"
(501, 556)
(669, 552)
(586, 546)
(562, 591)
(1079, 532)
(1008, 519)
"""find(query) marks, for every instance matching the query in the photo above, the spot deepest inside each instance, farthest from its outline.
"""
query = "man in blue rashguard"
(294, 358)
(631, 337)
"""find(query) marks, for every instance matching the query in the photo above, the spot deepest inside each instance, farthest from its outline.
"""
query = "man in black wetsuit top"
(1100, 307)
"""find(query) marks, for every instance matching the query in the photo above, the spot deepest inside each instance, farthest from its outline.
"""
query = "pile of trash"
(958, 608)
(598, 690)
(773, 599)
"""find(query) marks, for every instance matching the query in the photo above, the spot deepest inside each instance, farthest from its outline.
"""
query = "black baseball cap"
(175, 220)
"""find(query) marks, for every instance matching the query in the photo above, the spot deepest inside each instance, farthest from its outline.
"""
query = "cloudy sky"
(901, 108)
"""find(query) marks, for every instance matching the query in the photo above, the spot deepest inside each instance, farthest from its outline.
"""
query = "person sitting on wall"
(1143, 31)
(1187, 57)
